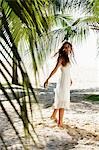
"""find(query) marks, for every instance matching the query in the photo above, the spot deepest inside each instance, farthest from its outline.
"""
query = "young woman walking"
(62, 92)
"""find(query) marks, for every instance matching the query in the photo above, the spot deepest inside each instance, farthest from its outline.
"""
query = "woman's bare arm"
(53, 71)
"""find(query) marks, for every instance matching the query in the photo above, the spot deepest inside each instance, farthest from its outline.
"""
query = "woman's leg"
(53, 116)
(61, 114)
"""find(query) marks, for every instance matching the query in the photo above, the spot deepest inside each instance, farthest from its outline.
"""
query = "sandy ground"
(81, 123)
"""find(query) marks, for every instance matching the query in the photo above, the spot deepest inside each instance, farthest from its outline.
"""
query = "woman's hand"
(46, 83)
(71, 82)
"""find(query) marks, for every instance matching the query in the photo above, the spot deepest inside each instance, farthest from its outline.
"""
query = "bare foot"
(54, 118)
(61, 126)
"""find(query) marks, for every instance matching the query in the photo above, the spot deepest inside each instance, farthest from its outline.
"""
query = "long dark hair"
(63, 55)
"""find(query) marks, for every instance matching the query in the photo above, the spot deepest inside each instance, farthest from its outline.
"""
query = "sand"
(81, 123)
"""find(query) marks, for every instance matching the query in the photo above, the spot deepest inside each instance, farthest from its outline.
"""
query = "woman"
(62, 92)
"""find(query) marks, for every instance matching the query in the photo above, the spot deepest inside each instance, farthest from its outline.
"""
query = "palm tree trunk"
(14, 72)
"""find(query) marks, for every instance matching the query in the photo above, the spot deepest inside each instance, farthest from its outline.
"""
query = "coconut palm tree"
(32, 25)
(16, 22)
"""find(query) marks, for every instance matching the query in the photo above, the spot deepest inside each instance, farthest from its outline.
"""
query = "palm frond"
(95, 8)
(33, 10)
(69, 5)
(7, 43)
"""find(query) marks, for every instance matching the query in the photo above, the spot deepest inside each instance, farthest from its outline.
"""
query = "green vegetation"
(93, 97)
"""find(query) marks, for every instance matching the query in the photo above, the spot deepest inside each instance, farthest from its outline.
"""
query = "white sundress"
(62, 91)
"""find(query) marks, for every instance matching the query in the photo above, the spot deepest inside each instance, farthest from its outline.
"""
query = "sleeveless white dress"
(62, 91)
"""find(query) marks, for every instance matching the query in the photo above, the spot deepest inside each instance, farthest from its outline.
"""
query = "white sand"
(81, 124)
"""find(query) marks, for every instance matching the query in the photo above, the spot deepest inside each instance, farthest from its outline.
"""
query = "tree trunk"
(14, 72)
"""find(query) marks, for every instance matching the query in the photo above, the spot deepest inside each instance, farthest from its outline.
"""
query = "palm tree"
(28, 21)
(14, 25)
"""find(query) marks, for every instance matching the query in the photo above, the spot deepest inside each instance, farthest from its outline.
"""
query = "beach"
(81, 123)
